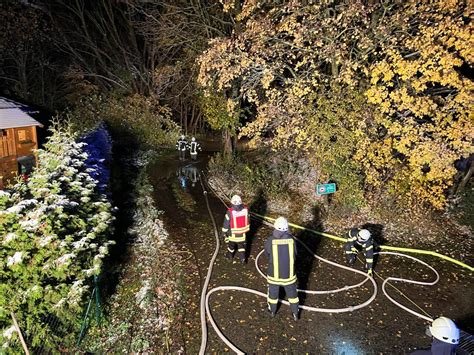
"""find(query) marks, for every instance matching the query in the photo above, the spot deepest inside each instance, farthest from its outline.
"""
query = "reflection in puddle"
(188, 175)
(345, 347)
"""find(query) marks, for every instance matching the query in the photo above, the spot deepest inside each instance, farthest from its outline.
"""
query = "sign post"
(325, 189)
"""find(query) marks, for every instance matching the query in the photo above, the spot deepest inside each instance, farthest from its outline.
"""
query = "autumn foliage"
(376, 93)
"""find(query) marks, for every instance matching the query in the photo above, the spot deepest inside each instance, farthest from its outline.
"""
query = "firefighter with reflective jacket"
(281, 252)
(236, 224)
(181, 146)
(194, 147)
(360, 239)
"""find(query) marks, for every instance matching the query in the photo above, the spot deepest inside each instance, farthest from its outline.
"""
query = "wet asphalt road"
(380, 328)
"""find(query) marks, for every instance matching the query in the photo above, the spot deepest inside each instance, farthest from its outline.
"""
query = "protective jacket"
(368, 247)
(236, 223)
(438, 347)
(194, 147)
(281, 252)
(181, 144)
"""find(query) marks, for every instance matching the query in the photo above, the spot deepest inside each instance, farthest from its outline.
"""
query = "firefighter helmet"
(236, 200)
(281, 224)
(363, 235)
(445, 330)
(193, 139)
(182, 136)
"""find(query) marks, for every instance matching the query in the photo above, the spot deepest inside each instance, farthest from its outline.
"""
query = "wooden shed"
(18, 140)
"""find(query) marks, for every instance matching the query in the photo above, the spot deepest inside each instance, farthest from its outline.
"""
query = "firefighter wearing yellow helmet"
(236, 225)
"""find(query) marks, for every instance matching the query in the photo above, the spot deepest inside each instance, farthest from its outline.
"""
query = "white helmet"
(363, 235)
(236, 200)
(193, 139)
(445, 330)
(281, 224)
(182, 136)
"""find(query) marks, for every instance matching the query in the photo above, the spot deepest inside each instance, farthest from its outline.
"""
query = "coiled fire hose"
(205, 296)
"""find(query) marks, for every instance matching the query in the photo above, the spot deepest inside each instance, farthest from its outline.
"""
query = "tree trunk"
(227, 142)
(465, 179)
(334, 68)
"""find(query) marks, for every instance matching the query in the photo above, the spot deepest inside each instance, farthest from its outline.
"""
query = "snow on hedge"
(54, 236)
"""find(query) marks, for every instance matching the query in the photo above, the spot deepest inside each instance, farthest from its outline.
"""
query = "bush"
(144, 117)
(248, 176)
(55, 228)
(99, 155)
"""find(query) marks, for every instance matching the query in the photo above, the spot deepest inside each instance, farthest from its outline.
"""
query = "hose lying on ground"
(205, 296)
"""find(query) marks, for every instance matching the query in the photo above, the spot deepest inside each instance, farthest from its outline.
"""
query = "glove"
(226, 237)
(369, 272)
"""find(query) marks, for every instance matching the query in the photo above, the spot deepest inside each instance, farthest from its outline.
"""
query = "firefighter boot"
(296, 316)
(351, 258)
(229, 255)
(272, 314)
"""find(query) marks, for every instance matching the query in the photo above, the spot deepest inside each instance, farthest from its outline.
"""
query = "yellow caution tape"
(384, 247)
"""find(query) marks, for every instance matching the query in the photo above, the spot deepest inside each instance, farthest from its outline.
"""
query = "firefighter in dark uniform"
(236, 224)
(181, 146)
(281, 252)
(360, 239)
(445, 335)
(194, 147)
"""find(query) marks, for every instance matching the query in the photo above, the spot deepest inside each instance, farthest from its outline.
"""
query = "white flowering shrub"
(54, 231)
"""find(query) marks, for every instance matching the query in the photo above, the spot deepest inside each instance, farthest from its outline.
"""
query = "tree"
(28, 62)
(218, 117)
(424, 97)
(289, 61)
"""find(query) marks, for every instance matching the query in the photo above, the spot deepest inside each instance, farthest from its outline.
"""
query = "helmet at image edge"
(445, 330)
(281, 224)
(236, 200)
(363, 235)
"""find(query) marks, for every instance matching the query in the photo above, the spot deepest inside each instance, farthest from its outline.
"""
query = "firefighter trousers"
(291, 293)
(239, 247)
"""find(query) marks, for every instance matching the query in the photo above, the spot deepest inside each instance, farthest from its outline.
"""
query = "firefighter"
(194, 147)
(181, 146)
(445, 338)
(360, 239)
(193, 174)
(236, 224)
(281, 252)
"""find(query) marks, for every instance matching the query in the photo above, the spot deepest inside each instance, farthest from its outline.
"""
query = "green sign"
(324, 189)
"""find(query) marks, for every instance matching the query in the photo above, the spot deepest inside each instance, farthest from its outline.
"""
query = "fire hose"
(205, 296)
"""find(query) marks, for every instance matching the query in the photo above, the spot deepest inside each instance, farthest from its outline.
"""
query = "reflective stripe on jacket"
(194, 147)
(281, 252)
(239, 220)
(181, 144)
(367, 246)
(236, 223)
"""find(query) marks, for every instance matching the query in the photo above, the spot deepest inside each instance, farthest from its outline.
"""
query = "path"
(379, 328)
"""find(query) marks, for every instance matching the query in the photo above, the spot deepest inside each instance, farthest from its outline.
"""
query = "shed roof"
(14, 115)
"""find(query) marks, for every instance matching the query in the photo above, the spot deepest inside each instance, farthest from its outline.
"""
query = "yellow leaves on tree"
(426, 102)
(300, 67)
